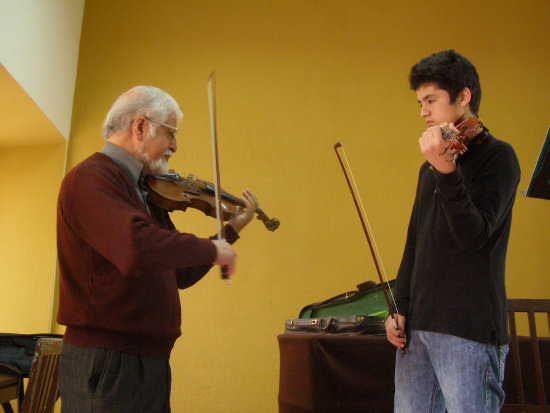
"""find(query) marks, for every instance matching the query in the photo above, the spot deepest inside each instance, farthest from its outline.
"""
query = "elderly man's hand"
(243, 216)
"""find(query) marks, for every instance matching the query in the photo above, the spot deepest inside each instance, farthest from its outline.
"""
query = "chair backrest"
(41, 393)
(11, 387)
(530, 307)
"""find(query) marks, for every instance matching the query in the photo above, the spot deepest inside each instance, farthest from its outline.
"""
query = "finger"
(248, 198)
(251, 197)
(230, 267)
(250, 201)
(436, 131)
(432, 134)
(453, 128)
(247, 201)
(395, 334)
(427, 139)
(399, 343)
(391, 333)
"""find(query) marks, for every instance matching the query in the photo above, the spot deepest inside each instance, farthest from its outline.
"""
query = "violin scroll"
(270, 223)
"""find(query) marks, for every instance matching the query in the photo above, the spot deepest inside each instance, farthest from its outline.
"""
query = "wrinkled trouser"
(440, 371)
(98, 380)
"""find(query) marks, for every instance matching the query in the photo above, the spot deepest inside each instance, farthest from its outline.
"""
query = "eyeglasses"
(172, 128)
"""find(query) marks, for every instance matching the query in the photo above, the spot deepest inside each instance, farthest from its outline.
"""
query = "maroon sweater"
(120, 268)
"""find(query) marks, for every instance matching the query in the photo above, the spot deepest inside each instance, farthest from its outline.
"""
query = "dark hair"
(451, 72)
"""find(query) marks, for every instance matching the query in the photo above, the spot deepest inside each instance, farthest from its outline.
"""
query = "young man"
(449, 290)
(122, 262)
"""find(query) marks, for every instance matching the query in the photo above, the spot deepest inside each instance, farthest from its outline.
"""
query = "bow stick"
(366, 230)
(212, 105)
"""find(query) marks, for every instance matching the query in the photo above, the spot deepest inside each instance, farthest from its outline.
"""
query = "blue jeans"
(440, 371)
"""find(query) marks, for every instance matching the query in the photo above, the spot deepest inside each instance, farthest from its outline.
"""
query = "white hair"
(140, 101)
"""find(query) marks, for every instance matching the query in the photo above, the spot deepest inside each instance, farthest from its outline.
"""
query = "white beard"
(157, 167)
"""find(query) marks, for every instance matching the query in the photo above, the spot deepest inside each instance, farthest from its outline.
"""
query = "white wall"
(39, 44)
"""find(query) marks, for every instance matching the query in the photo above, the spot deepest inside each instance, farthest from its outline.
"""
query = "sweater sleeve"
(106, 212)
(474, 210)
(188, 277)
(403, 279)
(404, 274)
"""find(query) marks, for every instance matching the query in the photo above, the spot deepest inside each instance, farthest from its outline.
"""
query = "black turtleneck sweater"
(451, 277)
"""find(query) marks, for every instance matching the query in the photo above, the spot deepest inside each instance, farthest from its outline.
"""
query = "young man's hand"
(396, 336)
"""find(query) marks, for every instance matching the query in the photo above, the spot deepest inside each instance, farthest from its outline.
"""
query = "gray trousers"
(98, 380)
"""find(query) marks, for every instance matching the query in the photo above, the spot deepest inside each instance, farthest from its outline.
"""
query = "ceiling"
(22, 123)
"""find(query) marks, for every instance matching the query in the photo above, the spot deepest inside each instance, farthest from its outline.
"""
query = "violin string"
(369, 227)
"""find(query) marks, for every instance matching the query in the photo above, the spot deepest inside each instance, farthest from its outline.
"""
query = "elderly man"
(122, 262)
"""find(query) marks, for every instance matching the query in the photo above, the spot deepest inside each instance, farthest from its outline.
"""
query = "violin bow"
(211, 85)
(366, 229)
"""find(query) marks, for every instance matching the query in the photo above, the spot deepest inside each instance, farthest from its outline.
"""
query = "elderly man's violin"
(172, 191)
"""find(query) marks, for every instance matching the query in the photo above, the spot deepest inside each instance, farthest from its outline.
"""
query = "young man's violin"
(468, 129)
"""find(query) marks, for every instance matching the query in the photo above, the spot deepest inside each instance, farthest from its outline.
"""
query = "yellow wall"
(292, 78)
(29, 178)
